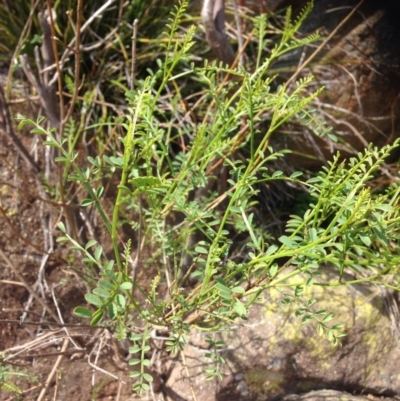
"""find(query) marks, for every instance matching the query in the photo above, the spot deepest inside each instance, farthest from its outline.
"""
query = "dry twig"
(214, 22)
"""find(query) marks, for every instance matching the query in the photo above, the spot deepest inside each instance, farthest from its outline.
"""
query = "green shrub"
(180, 218)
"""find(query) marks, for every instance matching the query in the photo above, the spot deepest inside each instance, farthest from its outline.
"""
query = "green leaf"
(328, 317)
(82, 312)
(97, 317)
(238, 290)
(101, 292)
(121, 301)
(98, 252)
(273, 270)
(298, 291)
(311, 302)
(339, 246)
(271, 250)
(300, 312)
(202, 250)
(105, 284)
(365, 239)
(312, 232)
(136, 337)
(384, 207)
(134, 349)
(296, 174)
(93, 299)
(117, 161)
(286, 301)
(126, 286)
(52, 144)
(112, 310)
(314, 180)
(124, 188)
(147, 377)
(90, 244)
(87, 202)
(61, 227)
(74, 177)
(99, 192)
(239, 308)
(149, 181)
(286, 241)
(61, 159)
(225, 294)
(134, 361)
(221, 282)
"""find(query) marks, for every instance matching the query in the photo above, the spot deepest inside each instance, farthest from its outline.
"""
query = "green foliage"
(140, 347)
(346, 226)
(7, 372)
(216, 359)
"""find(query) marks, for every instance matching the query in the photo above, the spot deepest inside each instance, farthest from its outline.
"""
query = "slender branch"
(77, 62)
(133, 62)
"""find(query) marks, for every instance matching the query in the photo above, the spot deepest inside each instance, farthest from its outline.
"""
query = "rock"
(273, 354)
(329, 395)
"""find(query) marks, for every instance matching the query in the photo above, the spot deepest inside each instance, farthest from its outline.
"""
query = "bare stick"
(77, 63)
(50, 56)
(133, 62)
(18, 47)
(95, 367)
(12, 283)
(62, 320)
(188, 375)
(54, 370)
(214, 22)
(67, 52)
(239, 31)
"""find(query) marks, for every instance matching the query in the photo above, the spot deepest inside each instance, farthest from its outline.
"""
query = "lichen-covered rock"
(279, 353)
(330, 395)
(273, 354)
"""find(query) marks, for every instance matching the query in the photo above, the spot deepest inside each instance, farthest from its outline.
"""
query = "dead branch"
(46, 90)
(214, 22)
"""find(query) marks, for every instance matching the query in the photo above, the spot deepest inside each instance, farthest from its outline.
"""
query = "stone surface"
(330, 395)
(273, 354)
